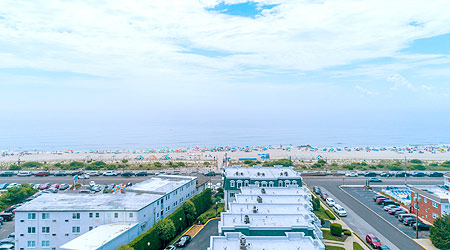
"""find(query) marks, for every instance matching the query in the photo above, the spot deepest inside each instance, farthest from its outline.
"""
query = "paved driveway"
(201, 240)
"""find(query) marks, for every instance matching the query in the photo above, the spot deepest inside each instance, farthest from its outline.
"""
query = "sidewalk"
(426, 243)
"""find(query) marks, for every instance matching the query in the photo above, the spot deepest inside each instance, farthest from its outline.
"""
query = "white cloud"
(400, 82)
(365, 91)
(144, 38)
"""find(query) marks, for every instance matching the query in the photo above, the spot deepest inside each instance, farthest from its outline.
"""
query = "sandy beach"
(235, 154)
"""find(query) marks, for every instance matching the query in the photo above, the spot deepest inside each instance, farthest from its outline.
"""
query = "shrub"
(316, 204)
(157, 164)
(189, 211)
(175, 217)
(419, 167)
(15, 167)
(334, 164)
(330, 214)
(440, 232)
(415, 161)
(32, 164)
(336, 229)
(202, 201)
(316, 165)
(152, 236)
(125, 247)
(322, 220)
(347, 232)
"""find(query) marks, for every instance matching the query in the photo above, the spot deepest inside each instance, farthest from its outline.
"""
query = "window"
(131, 215)
(270, 183)
(232, 194)
(435, 216)
(97, 215)
(31, 243)
(231, 183)
(45, 216)
(90, 228)
(425, 199)
(246, 183)
(435, 204)
(116, 215)
(294, 182)
(75, 230)
(31, 216)
(76, 216)
(280, 183)
(45, 243)
(257, 183)
(45, 230)
(91, 215)
(31, 230)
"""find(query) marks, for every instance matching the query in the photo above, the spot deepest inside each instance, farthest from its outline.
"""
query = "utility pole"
(417, 216)
(406, 183)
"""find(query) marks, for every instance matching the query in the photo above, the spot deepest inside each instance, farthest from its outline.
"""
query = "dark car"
(390, 202)
(421, 226)
(142, 173)
(384, 247)
(435, 174)
(127, 174)
(317, 190)
(6, 174)
(183, 241)
(7, 241)
(42, 173)
(60, 173)
(7, 216)
(211, 173)
(386, 175)
(418, 174)
(370, 174)
(374, 179)
(401, 174)
(396, 214)
(76, 173)
(4, 185)
(375, 197)
(373, 240)
(410, 220)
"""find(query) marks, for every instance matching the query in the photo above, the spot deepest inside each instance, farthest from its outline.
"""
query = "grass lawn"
(357, 246)
(327, 235)
(321, 214)
(333, 248)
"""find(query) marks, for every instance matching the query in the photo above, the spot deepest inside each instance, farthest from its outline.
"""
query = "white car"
(389, 207)
(93, 173)
(330, 202)
(339, 210)
(12, 185)
(92, 183)
(24, 173)
(109, 173)
(352, 174)
(84, 176)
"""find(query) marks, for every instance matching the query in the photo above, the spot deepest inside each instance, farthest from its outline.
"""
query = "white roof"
(267, 208)
(289, 190)
(270, 198)
(161, 184)
(267, 220)
(436, 191)
(98, 236)
(88, 202)
(292, 241)
(258, 172)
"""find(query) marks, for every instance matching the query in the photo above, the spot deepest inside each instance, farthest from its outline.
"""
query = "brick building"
(434, 202)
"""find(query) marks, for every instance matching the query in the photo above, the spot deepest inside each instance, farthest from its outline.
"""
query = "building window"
(280, 183)
(45, 230)
(231, 183)
(257, 183)
(90, 228)
(45, 243)
(239, 184)
(294, 182)
(131, 215)
(435, 204)
(31, 230)
(31, 243)
(246, 183)
(264, 184)
(116, 215)
(97, 215)
(435, 216)
(232, 194)
(75, 230)
(270, 183)
(76, 216)
(425, 199)
(91, 215)
(31, 216)
(45, 216)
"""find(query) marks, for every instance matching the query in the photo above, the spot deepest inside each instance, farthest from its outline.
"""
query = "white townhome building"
(52, 220)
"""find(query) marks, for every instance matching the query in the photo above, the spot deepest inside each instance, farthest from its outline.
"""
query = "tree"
(316, 204)
(440, 232)
(157, 164)
(15, 167)
(166, 230)
(189, 211)
(32, 164)
(125, 247)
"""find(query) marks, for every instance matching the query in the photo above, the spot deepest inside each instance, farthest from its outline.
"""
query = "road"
(201, 240)
(382, 228)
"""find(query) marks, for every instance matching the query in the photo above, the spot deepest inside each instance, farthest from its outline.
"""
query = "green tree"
(166, 230)
(189, 211)
(415, 161)
(15, 167)
(316, 204)
(124, 161)
(157, 164)
(76, 165)
(440, 232)
(125, 247)
(32, 164)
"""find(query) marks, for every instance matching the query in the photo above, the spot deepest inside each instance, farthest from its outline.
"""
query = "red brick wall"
(426, 210)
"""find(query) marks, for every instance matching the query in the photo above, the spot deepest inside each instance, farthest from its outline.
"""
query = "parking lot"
(366, 197)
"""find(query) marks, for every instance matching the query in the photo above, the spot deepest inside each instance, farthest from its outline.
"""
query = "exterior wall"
(447, 180)
(429, 209)
(124, 238)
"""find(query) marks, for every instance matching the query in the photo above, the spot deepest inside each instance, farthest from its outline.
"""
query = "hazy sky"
(339, 62)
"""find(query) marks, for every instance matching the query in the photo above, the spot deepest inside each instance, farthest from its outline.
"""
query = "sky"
(340, 63)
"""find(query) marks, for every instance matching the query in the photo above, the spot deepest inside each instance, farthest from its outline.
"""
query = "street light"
(417, 216)
(216, 208)
(148, 244)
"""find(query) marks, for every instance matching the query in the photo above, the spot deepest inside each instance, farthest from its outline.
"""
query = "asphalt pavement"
(201, 240)
(384, 229)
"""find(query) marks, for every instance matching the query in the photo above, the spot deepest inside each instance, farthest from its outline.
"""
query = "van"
(340, 210)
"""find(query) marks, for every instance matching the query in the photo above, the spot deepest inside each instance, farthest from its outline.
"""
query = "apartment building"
(434, 202)
(51, 220)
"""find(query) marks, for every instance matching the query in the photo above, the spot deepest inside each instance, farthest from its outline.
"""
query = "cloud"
(149, 38)
(365, 91)
(400, 82)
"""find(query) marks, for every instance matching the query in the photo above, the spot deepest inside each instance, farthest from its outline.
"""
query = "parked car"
(183, 241)
(7, 216)
(390, 202)
(374, 179)
(384, 247)
(6, 246)
(127, 174)
(142, 173)
(52, 190)
(393, 210)
(317, 190)
(42, 173)
(54, 186)
(4, 185)
(324, 196)
(398, 213)
(381, 200)
(12, 235)
(24, 174)
(63, 186)
(6, 174)
(421, 226)
(73, 173)
(84, 176)
(109, 173)
(170, 248)
(375, 197)
(340, 210)
(93, 173)
(351, 174)
(211, 173)
(389, 207)
(409, 220)
(12, 185)
(435, 174)
(370, 174)
(384, 174)
(330, 202)
(401, 174)
(60, 173)
(444, 187)
(402, 217)
(44, 186)
(373, 240)
(418, 174)
(7, 241)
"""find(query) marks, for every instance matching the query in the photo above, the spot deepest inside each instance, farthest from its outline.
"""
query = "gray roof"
(161, 184)
(89, 202)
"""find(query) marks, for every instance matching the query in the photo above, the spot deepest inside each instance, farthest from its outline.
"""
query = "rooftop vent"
(255, 210)
(286, 173)
(263, 174)
(243, 243)
(242, 173)
(259, 199)
(246, 219)
(263, 191)
(237, 173)
(257, 174)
